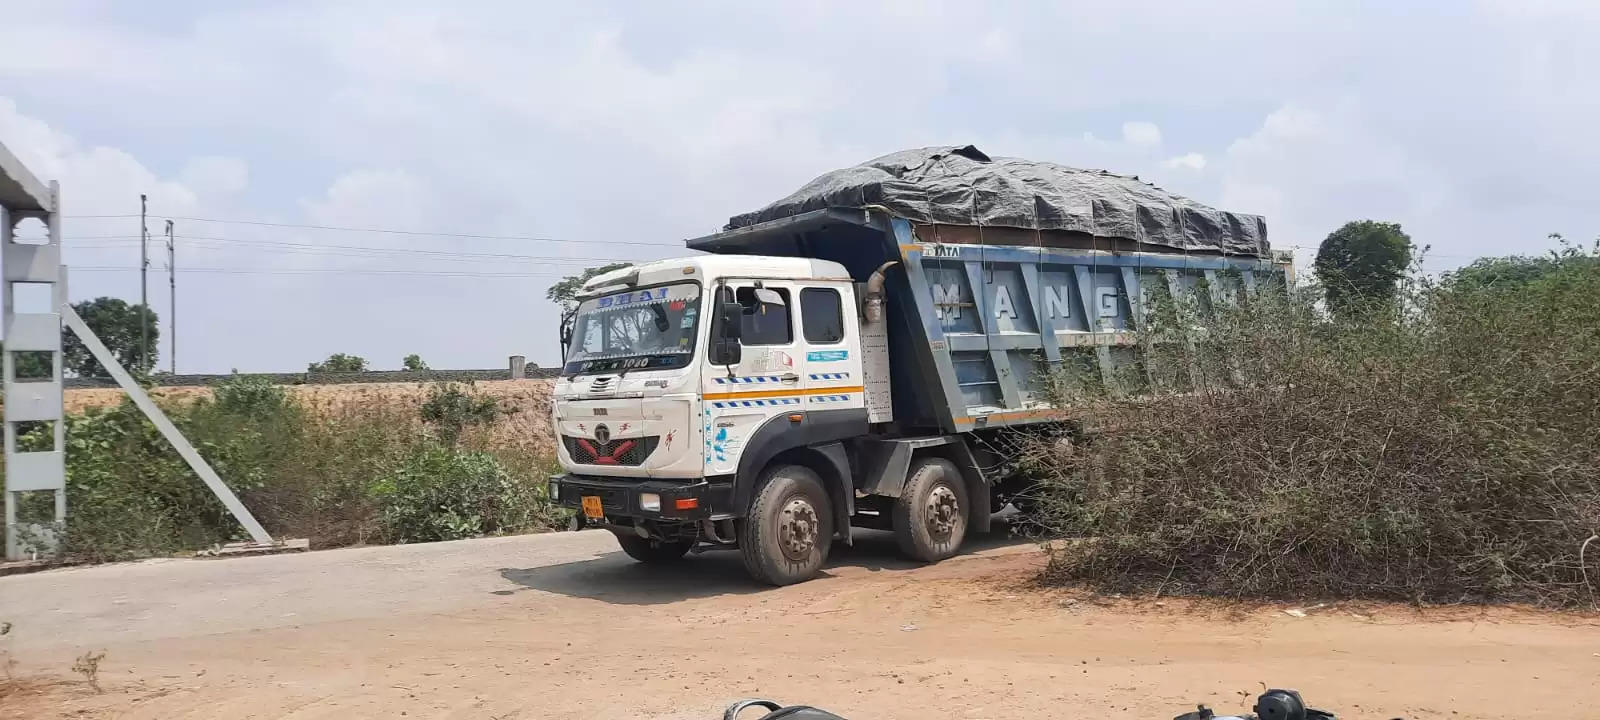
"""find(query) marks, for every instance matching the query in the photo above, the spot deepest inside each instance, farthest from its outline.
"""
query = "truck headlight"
(650, 502)
(555, 489)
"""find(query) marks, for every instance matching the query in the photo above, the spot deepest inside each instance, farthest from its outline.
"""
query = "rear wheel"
(930, 516)
(786, 537)
(653, 552)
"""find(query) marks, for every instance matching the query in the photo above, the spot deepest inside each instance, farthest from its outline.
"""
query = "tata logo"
(602, 434)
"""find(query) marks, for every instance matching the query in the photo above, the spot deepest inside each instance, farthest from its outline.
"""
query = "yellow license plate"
(592, 508)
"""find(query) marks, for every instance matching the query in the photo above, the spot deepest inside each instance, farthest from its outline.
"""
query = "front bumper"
(620, 497)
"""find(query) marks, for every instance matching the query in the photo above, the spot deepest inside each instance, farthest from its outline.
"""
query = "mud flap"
(886, 463)
(978, 516)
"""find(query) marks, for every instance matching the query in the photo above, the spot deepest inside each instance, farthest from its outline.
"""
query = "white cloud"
(101, 253)
(1140, 133)
(94, 179)
(610, 121)
(1310, 169)
(375, 198)
(216, 175)
(1186, 161)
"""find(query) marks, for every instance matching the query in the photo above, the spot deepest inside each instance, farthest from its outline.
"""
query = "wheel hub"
(943, 512)
(797, 529)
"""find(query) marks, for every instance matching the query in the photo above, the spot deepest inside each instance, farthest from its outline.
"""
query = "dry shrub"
(366, 467)
(1444, 447)
(343, 466)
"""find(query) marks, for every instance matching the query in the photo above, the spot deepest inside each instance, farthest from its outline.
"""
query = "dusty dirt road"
(561, 625)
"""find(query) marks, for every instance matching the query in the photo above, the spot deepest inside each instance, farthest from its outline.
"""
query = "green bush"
(441, 493)
(451, 409)
(336, 476)
(130, 495)
(251, 397)
(1444, 449)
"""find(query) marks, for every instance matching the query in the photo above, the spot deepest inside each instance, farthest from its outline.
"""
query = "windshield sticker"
(676, 293)
(827, 355)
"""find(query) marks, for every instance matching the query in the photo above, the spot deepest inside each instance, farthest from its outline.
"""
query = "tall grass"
(337, 474)
(1442, 447)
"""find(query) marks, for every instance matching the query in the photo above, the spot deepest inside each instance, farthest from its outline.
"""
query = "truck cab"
(692, 384)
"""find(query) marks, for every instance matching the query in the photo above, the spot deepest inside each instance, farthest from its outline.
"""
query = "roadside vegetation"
(337, 474)
(1435, 441)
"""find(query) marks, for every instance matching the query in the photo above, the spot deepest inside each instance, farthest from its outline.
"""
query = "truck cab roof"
(700, 267)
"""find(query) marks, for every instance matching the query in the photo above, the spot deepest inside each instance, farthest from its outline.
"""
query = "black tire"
(930, 516)
(787, 535)
(653, 552)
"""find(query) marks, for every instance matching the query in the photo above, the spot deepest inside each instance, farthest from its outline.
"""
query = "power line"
(93, 242)
(112, 240)
(393, 231)
(314, 252)
(321, 271)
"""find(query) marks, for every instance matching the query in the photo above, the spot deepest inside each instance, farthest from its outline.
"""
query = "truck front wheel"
(786, 536)
(930, 516)
(653, 552)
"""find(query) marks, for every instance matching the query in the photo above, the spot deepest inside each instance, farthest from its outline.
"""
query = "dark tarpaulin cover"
(962, 186)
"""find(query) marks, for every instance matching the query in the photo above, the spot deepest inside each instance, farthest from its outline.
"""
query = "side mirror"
(725, 348)
(568, 320)
(725, 351)
(729, 318)
(768, 297)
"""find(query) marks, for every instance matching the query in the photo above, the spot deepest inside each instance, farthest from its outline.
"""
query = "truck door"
(830, 353)
(764, 383)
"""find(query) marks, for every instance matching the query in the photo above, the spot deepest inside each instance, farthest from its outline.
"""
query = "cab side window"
(821, 315)
(765, 316)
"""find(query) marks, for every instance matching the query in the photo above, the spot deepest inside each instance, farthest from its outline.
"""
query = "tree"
(1362, 263)
(565, 293)
(339, 362)
(31, 365)
(116, 323)
(414, 363)
(1502, 272)
(1517, 271)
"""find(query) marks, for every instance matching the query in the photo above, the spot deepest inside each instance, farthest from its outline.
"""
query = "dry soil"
(561, 625)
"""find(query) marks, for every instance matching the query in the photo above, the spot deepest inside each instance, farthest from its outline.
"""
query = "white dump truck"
(841, 358)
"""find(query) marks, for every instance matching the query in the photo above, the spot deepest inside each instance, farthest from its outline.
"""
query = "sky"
(538, 138)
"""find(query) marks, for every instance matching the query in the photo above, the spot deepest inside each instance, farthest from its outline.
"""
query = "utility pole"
(144, 288)
(172, 296)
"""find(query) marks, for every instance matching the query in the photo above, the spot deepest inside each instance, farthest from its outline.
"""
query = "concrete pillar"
(519, 366)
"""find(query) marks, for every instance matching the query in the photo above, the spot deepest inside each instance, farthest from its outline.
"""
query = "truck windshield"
(635, 330)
